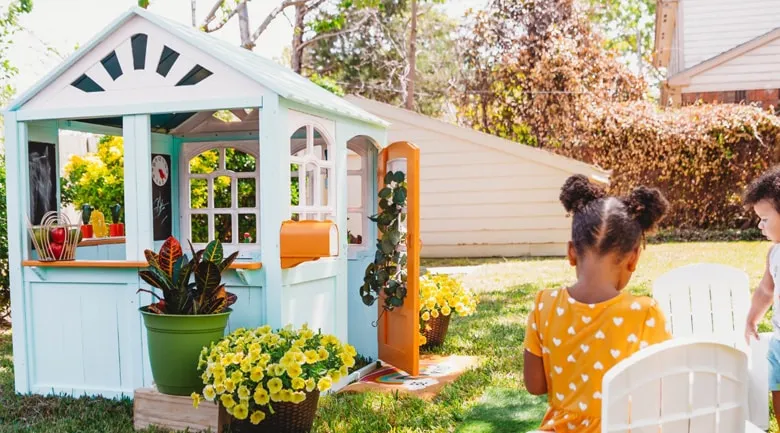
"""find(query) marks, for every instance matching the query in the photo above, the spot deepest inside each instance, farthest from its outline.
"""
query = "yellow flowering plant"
(443, 295)
(251, 369)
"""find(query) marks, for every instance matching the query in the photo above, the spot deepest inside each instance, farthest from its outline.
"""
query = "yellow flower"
(300, 359)
(298, 383)
(238, 357)
(257, 417)
(276, 397)
(294, 370)
(209, 393)
(241, 411)
(257, 374)
(298, 397)
(323, 354)
(279, 370)
(195, 399)
(350, 350)
(275, 385)
(446, 310)
(237, 377)
(230, 386)
(261, 396)
(243, 393)
(426, 316)
(227, 401)
(324, 384)
(246, 365)
(335, 375)
(423, 340)
(344, 370)
(219, 388)
(310, 385)
(286, 395)
(311, 357)
(435, 313)
(347, 360)
(287, 360)
(226, 360)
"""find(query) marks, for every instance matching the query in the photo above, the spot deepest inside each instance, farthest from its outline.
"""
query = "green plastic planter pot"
(175, 343)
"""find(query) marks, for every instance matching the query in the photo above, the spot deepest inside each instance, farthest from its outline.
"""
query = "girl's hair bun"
(577, 192)
(646, 205)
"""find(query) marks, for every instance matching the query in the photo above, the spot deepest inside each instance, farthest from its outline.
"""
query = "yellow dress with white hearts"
(579, 343)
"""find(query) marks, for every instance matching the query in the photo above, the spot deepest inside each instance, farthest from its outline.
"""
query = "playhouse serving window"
(220, 199)
(357, 199)
(312, 176)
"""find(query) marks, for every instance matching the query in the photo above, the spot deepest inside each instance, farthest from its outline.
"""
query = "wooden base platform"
(151, 408)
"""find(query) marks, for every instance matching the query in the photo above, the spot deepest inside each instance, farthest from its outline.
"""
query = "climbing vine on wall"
(387, 274)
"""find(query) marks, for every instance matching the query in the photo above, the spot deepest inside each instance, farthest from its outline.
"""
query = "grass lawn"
(489, 399)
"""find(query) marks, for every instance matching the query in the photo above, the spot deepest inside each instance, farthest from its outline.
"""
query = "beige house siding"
(756, 69)
(711, 27)
(479, 201)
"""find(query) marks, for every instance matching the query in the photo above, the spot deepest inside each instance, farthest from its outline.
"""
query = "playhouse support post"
(341, 301)
(17, 202)
(274, 200)
(137, 135)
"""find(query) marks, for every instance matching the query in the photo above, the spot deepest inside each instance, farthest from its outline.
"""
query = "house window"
(312, 176)
(357, 199)
(221, 198)
(740, 96)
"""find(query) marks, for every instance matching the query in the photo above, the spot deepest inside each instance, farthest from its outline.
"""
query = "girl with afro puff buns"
(576, 334)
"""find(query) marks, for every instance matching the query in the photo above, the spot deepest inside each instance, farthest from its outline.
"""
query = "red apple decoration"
(56, 250)
(58, 235)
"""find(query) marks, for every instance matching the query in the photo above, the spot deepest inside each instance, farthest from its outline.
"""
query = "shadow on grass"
(504, 410)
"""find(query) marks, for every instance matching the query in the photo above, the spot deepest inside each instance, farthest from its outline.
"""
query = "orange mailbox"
(303, 241)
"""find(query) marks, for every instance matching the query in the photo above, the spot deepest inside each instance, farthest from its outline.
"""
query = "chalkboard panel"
(42, 158)
(161, 196)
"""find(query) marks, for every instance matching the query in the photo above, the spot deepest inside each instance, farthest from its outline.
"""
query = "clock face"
(160, 170)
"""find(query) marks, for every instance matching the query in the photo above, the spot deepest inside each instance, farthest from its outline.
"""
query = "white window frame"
(365, 197)
(319, 211)
(191, 150)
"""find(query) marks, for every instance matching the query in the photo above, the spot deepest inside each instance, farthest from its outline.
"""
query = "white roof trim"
(683, 78)
(298, 89)
(488, 140)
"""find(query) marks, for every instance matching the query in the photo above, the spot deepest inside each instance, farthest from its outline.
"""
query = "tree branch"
(235, 10)
(273, 14)
(334, 34)
(212, 13)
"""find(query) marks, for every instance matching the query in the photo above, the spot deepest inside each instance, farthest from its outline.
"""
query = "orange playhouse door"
(398, 330)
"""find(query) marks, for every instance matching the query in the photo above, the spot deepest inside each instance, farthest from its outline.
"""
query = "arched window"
(358, 191)
(220, 197)
(312, 176)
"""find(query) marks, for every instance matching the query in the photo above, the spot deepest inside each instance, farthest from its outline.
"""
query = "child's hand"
(751, 330)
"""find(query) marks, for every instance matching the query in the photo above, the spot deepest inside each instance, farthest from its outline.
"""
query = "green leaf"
(396, 301)
(394, 237)
(399, 176)
(228, 261)
(368, 300)
(207, 276)
(385, 193)
(399, 195)
(388, 177)
(169, 254)
(387, 246)
(213, 252)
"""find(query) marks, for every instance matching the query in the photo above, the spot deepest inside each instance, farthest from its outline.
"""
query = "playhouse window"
(312, 179)
(357, 173)
(221, 200)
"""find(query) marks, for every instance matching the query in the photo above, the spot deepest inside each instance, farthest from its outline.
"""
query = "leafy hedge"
(700, 156)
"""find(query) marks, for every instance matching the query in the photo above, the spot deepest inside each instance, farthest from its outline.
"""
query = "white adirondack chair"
(679, 386)
(711, 302)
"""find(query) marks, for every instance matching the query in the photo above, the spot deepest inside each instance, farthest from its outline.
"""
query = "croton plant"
(170, 270)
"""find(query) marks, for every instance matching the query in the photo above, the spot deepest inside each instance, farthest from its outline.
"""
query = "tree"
(97, 178)
(374, 62)
(533, 68)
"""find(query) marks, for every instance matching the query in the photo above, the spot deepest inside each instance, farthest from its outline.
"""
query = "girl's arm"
(762, 300)
(533, 374)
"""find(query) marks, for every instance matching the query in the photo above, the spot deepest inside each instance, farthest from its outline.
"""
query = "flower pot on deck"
(175, 343)
(86, 231)
(116, 230)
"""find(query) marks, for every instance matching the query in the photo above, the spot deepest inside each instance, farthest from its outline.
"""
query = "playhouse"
(195, 112)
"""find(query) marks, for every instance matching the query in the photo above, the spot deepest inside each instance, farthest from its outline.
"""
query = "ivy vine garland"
(387, 274)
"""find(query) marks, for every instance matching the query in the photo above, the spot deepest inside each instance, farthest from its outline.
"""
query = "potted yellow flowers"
(270, 381)
(441, 296)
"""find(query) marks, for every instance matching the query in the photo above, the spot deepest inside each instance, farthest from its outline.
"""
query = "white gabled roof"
(541, 156)
(286, 83)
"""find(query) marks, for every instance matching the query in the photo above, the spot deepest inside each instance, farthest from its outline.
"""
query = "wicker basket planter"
(287, 418)
(435, 330)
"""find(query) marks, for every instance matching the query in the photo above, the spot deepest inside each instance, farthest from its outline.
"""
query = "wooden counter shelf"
(93, 242)
(249, 266)
(244, 270)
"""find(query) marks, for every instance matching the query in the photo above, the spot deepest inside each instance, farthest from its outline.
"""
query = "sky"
(63, 24)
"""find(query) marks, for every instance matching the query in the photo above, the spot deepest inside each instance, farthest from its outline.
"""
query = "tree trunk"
(412, 59)
(243, 25)
(194, 14)
(297, 52)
